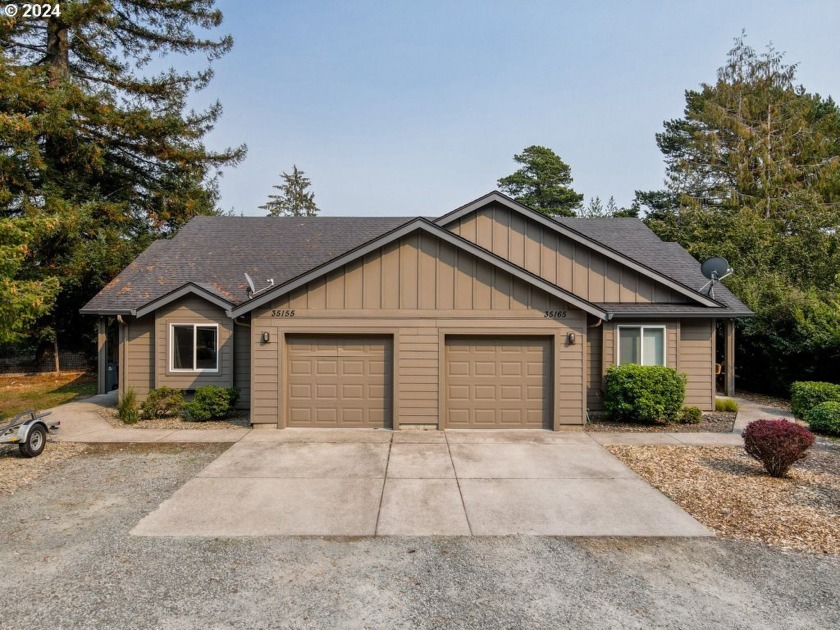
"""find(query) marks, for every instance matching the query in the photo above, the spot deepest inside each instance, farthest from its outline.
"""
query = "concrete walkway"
(314, 482)
(749, 411)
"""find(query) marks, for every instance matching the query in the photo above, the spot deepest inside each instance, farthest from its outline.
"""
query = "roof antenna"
(252, 290)
(715, 269)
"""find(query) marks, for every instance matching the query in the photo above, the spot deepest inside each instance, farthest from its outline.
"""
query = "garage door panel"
(498, 382)
(353, 381)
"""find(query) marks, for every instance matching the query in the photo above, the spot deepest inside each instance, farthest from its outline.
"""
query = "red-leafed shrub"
(777, 444)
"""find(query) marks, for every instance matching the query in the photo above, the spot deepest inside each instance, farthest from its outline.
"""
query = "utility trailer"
(29, 431)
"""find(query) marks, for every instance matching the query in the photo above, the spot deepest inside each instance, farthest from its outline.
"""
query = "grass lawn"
(42, 391)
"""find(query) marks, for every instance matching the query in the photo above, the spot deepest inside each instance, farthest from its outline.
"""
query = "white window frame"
(195, 327)
(641, 328)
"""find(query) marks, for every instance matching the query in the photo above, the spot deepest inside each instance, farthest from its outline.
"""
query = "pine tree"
(594, 209)
(295, 198)
(543, 183)
(754, 176)
(105, 152)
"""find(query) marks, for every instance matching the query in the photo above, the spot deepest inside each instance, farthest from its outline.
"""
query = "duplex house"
(490, 316)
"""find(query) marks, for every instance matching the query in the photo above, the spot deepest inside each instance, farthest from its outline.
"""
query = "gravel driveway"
(69, 562)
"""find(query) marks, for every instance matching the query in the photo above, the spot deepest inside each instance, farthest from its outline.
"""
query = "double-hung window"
(194, 348)
(644, 345)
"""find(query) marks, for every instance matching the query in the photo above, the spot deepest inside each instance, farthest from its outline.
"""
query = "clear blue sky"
(418, 107)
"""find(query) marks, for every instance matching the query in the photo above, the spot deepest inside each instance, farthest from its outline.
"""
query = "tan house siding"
(561, 261)
(419, 290)
(138, 367)
(594, 361)
(192, 310)
(242, 363)
(697, 362)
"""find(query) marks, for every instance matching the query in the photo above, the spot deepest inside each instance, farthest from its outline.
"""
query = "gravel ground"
(713, 422)
(730, 493)
(70, 540)
(16, 470)
(240, 421)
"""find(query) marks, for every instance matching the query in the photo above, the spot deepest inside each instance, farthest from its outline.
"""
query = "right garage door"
(498, 383)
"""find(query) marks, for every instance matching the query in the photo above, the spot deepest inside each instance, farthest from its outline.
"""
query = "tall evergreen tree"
(542, 183)
(103, 150)
(295, 198)
(754, 175)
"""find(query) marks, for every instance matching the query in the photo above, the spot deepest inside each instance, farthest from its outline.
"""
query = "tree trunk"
(58, 52)
(55, 355)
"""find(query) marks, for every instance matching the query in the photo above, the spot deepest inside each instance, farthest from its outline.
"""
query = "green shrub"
(644, 393)
(127, 410)
(825, 418)
(690, 415)
(726, 405)
(805, 395)
(163, 402)
(211, 403)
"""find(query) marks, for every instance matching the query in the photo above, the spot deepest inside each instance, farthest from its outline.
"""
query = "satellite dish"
(715, 269)
(251, 288)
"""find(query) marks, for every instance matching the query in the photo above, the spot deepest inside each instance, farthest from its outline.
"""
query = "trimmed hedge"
(777, 444)
(690, 415)
(644, 393)
(211, 403)
(163, 402)
(825, 418)
(805, 395)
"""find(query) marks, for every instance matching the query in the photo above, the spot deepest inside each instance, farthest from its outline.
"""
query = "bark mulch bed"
(239, 421)
(713, 422)
(17, 470)
(730, 493)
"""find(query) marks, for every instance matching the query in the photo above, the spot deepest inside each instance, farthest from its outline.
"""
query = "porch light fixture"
(266, 336)
(570, 338)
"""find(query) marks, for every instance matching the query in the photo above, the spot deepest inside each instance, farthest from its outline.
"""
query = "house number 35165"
(555, 314)
(282, 313)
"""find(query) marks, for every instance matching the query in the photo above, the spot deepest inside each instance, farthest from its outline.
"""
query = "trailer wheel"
(35, 442)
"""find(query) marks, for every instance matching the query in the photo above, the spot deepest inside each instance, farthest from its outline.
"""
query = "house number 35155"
(282, 313)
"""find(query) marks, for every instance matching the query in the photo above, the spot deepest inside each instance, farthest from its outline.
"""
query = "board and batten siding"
(594, 372)
(418, 289)
(193, 310)
(571, 266)
(697, 361)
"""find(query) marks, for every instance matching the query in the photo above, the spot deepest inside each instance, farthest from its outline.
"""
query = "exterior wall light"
(570, 339)
(266, 336)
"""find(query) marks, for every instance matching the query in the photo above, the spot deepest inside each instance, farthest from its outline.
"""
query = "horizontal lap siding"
(697, 362)
(594, 383)
(265, 373)
(570, 265)
(417, 375)
(193, 310)
(242, 364)
(140, 356)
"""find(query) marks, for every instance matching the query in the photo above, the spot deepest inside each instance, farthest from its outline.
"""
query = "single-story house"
(491, 316)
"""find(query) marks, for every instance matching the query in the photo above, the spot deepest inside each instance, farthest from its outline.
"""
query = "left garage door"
(339, 381)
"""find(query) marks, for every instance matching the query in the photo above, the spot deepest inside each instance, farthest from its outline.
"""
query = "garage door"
(497, 383)
(339, 381)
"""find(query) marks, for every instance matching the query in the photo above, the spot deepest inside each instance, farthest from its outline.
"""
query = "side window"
(194, 348)
(644, 345)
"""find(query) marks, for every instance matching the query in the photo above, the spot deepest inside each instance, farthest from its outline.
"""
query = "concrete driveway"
(457, 483)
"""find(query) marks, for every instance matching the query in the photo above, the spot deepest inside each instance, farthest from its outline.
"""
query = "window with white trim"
(194, 348)
(644, 345)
